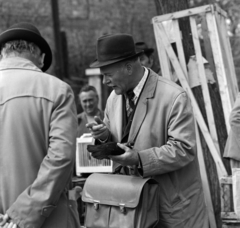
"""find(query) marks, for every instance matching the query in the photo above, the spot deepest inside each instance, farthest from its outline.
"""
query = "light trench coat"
(163, 133)
(37, 146)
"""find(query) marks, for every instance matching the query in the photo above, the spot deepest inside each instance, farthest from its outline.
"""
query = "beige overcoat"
(37, 146)
(163, 132)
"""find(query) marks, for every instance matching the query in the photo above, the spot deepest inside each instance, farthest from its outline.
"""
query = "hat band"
(107, 57)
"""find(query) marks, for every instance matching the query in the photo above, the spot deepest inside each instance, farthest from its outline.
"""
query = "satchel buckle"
(96, 204)
(122, 208)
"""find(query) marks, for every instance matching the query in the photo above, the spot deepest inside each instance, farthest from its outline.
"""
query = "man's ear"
(129, 68)
(41, 62)
(150, 61)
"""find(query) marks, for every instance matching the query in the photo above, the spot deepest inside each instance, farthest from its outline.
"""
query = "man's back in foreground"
(37, 146)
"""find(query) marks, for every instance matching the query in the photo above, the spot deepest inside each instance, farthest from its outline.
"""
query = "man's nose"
(105, 80)
(88, 103)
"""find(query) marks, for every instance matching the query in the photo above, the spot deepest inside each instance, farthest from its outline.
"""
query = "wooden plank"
(221, 23)
(226, 59)
(230, 215)
(226, 180)
(183, 13)
(198, 115)
(220, 11)
(96, 81)
(206, 189)
(178, 39)
(219, 64)
(208, 48)
(204, 83)
(162, 55)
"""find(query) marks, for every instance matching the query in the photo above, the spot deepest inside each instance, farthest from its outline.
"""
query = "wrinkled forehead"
(113, 68)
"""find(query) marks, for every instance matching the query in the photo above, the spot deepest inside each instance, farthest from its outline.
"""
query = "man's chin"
(117, 91)
(89, 112)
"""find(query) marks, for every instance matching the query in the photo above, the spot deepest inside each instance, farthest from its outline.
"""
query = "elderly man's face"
(89, 102)
(116, 76)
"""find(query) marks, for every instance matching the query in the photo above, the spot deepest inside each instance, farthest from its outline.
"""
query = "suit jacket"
(163, 133)
(37, 146)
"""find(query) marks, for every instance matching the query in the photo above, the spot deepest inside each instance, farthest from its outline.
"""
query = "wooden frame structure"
(216, 36)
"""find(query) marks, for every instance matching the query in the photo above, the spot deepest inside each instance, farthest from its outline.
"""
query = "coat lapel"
(141, 109)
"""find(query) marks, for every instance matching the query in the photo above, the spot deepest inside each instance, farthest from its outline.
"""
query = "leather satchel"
(120, 201)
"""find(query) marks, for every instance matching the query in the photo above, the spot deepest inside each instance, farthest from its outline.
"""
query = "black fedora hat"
(28, 32)
(114, 48)
(142, 46)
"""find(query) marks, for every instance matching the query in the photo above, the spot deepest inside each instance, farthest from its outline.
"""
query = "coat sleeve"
(180, 147)
(37, 202)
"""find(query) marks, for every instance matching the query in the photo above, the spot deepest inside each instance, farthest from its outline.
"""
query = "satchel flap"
(113, 189)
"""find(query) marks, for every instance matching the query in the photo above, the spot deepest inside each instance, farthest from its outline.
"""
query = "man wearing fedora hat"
(147, 58)
(37, 135)
(155, 128)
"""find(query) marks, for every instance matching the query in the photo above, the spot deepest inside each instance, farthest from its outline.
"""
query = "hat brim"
(149, 51)
(97, 63)
(25, 34)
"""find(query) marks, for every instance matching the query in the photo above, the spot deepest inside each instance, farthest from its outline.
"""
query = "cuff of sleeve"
(15, 218)
(105, 140)
(139, 167)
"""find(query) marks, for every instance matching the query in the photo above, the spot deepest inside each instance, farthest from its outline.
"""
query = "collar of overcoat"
(142, 106)
(141, 109)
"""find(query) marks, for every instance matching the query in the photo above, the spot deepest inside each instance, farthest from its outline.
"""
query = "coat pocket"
(47, 210)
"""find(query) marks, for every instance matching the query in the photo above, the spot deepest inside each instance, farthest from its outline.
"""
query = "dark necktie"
(128, 115)
(130, 95)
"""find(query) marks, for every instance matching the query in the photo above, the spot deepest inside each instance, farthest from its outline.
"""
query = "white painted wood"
(220, 11)
(97, 83)
(163, 58)
(219, 164)
(204, 83)
(206, 189)
(92, 71)
(219, 64)
(183, 13)
(190, 12)
(225, 56)
(223, 33)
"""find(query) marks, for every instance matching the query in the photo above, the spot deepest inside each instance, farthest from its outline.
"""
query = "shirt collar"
(17, 63)
(137, 90)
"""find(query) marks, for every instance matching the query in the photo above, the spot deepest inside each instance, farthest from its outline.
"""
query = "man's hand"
(5, 222)
(4, 219)
(75, 193)
(9, 225)
(98, 129)
(129, 158)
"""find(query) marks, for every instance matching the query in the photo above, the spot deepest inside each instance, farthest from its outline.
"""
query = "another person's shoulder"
(80, 116)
